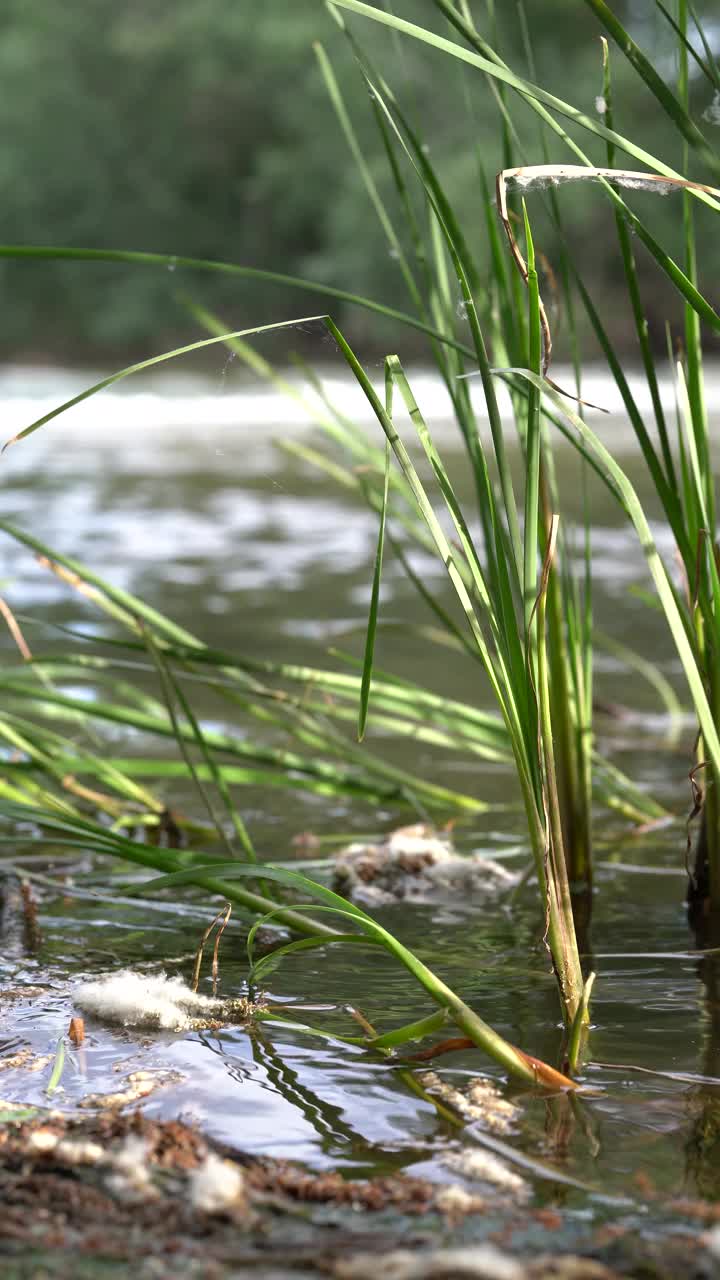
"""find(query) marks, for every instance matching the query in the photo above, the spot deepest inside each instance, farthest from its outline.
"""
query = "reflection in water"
(337, 1136)
(703, 1142)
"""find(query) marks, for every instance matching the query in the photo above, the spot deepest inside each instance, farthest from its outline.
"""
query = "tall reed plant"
(45, 789)
(682, 473)
(524, 618)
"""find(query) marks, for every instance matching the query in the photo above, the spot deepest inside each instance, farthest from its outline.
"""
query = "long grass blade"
(620, 484)
(133, 257)
(199, 871)
(375, 595)
(150, 363)
(505, 75)
(515, 1062)
(673, 108)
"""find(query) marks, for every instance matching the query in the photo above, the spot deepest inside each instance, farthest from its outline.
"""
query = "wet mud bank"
(117, 1193)
(411, 1173)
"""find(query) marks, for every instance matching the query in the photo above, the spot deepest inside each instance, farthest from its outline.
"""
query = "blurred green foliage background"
(203, 128)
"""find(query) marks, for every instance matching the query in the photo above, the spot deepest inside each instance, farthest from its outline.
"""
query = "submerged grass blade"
(513, 1060)
(578, 1031)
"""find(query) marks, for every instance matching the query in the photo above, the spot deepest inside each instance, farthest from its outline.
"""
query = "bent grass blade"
(517, 1063)
(149, 364)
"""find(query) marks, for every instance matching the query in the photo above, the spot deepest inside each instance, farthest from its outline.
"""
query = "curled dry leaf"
(540, 176)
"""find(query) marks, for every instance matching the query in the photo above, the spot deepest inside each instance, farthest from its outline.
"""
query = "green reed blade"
(397, 696)
(473, 1026)
(499, 571)
(173, 690)
(641, 324)
(412, 1031)
(532, 439)
(100, 840)
(665, 487)
(433, 603)
(131, 606)
(706, 65)
(675, 109)
(620, 483)
(363, 169)
(711, 57)
(649, 671)
(529, 91)
(621, 794)
(578, 1031)
(132, 257)
(493, 64)
(559, 911)
(58, 1067)
(262, 968)
(375, 593)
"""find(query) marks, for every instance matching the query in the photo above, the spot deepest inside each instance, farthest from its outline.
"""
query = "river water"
(178, 489)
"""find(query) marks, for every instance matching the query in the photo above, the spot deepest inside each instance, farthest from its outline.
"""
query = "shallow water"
(180, 495)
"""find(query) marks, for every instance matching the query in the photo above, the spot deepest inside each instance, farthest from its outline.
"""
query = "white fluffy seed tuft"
(130, 1177)
(476, 1262)
(216, 1185)
(483, 1166)
(144, 1000)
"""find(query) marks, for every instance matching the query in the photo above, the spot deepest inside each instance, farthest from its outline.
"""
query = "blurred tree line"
(203, 128)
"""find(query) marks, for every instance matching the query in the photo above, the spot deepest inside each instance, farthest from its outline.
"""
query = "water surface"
(180, 493)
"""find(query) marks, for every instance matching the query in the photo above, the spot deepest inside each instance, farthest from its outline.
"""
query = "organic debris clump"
(217, 1185)
(415, 864)
(480, 1101)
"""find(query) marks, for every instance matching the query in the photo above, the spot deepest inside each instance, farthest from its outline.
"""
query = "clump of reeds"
(523, 618)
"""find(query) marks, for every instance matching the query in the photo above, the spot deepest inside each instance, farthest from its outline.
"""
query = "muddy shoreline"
(114, 1193)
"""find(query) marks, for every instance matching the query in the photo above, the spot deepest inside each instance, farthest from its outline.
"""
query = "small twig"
(698, 797)
(33, 936)
(361, 1020)
(223, 915)
(445, 1046)
(13, 627)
